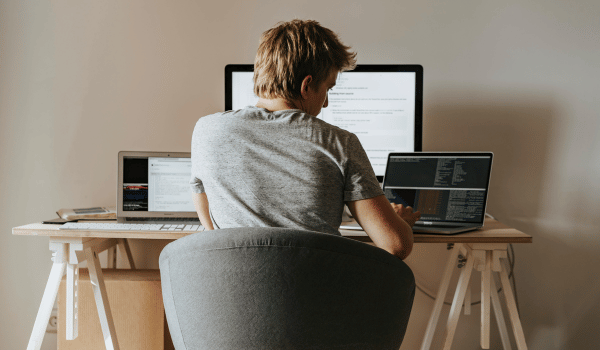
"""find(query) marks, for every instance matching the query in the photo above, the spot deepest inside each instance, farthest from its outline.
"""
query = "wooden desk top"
(51, 230)
(492, 232)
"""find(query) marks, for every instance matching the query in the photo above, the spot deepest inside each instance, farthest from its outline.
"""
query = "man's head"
(293, 51)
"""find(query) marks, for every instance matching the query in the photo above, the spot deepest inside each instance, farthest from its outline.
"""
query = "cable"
(490, 216)
(430, 295)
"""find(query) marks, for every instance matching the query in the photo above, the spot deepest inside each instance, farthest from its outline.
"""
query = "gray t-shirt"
(278, 169)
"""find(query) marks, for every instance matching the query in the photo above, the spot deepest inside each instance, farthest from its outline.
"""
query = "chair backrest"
(277, 288)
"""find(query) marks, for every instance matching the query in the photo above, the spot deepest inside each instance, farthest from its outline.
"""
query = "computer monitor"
(381, 104)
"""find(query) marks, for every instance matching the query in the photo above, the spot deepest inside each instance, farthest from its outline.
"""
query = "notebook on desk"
(153, 187)
(448, 188)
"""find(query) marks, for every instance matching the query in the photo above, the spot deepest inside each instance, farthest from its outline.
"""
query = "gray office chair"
(277, 288)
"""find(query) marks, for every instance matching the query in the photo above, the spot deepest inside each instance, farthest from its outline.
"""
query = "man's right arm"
(384, 224)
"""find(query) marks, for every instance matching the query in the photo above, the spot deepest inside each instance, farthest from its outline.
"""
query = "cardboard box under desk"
(135, 300)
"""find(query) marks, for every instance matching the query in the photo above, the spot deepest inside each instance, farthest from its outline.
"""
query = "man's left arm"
(201, 205)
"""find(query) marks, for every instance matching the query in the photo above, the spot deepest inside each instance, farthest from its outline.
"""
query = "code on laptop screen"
(451, 189)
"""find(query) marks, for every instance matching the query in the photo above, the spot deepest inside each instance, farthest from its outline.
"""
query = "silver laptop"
(448, 188)
(153, 188)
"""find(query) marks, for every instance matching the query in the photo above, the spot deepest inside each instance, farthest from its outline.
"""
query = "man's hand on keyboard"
(406, 213)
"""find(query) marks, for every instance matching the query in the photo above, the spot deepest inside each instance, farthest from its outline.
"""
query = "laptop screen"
(444, 187)
(155, 184)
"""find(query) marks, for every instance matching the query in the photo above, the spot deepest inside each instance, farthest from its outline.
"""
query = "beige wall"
(81, 80)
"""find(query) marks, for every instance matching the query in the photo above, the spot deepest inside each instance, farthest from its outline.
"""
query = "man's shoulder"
(210, 117)
(228, 115)
(217, 119)
(327, 126)
(333, 130)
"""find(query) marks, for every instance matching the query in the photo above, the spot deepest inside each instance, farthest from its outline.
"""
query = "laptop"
(449, 188)
(153, 188)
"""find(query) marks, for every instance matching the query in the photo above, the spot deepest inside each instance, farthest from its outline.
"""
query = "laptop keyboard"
(110, 226)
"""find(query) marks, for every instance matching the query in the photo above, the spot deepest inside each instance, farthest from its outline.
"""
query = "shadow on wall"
(559, 297)
(514, 125)
(559, 292)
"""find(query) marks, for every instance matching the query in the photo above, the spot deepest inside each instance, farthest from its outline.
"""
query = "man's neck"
(276, 104)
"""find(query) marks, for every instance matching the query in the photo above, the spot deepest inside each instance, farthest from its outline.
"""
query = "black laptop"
(448, 188)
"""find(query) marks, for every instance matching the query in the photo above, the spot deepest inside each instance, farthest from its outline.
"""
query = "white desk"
(484, 250)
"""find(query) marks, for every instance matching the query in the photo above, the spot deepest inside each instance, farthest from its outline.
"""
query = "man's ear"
(305, 85)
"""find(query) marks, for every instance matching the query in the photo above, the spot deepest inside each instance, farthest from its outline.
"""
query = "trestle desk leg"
(486, 275)
(499, 316)
(467, 304)
(126, 252)
(111, 258)
(104, 312)
(512, 307)
(45, 310)
(72, 328)
(441, 296)
(457, 303)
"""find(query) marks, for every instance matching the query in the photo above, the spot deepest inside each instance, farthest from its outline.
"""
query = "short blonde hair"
(290, 51)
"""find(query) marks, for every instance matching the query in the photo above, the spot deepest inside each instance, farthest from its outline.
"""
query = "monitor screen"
(381, 104)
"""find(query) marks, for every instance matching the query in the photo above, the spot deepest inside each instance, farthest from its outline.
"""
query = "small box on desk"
(136, 304)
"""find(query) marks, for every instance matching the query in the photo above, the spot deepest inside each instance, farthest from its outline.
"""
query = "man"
(275, 164)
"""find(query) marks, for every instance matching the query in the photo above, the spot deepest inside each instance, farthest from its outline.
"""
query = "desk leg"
(45, 310)
(499, 316)
(111, 258)
(72, 301)
(459, 296)
(441, 296)
(512, 307)
(467, 305)
(125, 251)
(486, 275)
(104, 312)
